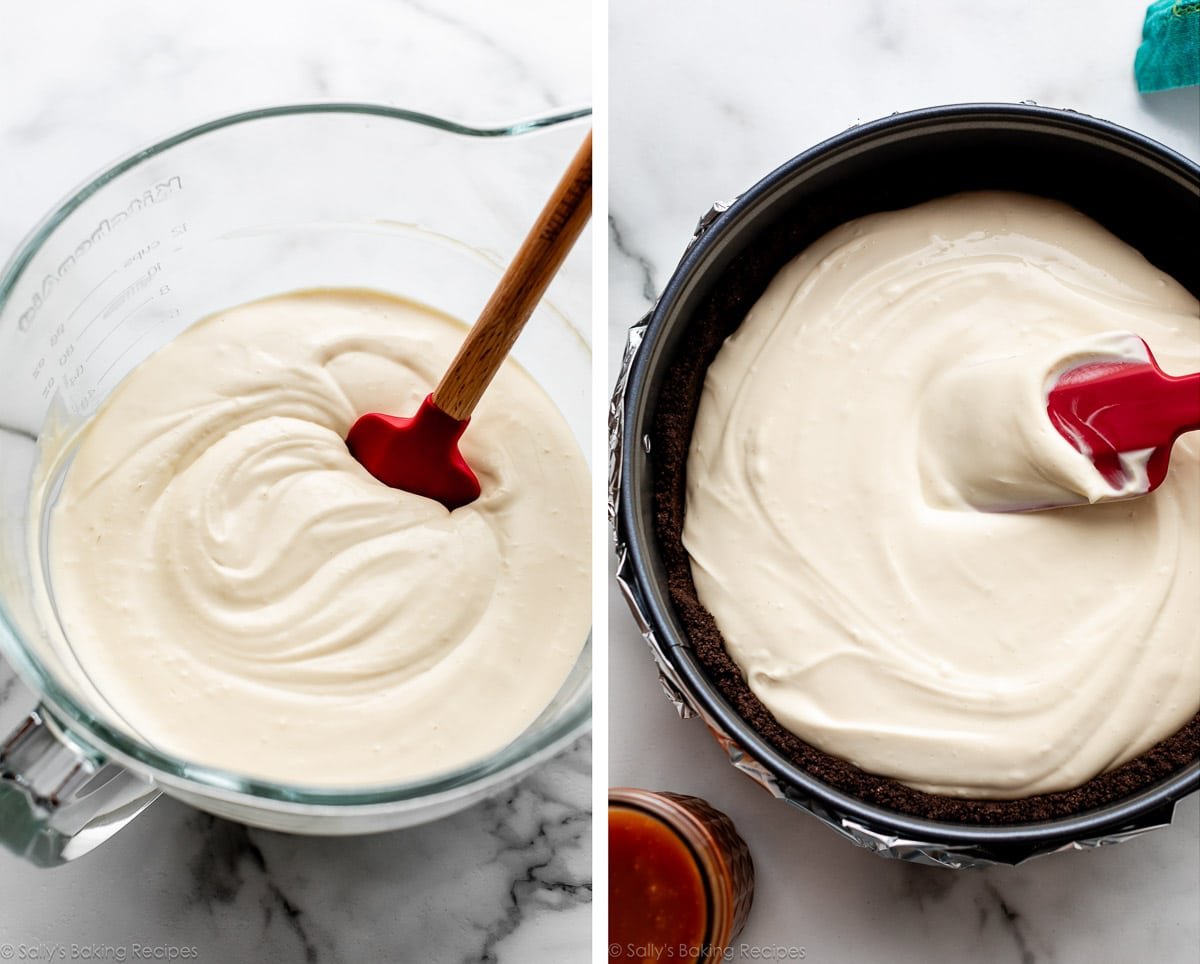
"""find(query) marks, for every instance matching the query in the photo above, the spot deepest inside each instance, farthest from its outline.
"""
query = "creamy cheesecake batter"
(985, 441)
(838, 542)
(245, 595)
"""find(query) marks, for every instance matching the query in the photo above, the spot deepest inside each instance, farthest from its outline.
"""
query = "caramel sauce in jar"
(681, 880)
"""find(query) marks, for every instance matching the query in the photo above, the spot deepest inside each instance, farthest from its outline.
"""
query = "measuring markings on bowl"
(67, 347)
(55, 349)
(162, 191)
(139, 284)
(128, 348)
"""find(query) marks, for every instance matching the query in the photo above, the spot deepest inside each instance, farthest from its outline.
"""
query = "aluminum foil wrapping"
(671, 684)
(898, 848)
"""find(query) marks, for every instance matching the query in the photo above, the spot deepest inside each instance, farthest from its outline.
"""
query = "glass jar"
(681, 880)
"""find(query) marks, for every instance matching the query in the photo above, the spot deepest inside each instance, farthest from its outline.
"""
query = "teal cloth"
(1170, 52)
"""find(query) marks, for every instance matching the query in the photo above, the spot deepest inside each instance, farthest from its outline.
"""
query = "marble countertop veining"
(707, 98)
(509, 879)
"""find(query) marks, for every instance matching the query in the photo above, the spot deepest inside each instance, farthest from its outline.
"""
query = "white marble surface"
(509, 880)
(707, 97)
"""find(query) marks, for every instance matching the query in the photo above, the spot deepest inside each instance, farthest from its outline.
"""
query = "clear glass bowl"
(326, 195)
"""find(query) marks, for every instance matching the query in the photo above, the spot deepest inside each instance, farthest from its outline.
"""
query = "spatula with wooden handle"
(420, 454)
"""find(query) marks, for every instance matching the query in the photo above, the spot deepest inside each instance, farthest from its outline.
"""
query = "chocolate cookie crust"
(722, 311)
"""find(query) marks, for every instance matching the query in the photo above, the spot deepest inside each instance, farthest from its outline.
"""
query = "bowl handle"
(59, 800)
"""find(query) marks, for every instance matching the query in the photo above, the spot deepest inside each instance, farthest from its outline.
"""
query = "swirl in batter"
(245, 595)
(870, 606)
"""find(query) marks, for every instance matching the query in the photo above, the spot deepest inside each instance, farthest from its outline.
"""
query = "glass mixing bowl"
(309, 196)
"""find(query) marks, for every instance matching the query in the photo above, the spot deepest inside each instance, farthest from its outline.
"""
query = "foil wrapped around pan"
(886, 845)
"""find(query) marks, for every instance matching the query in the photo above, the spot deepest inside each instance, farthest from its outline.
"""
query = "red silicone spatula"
(1108, 408)
(420, 454)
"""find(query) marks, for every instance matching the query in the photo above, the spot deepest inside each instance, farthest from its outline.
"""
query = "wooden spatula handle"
(488, 343)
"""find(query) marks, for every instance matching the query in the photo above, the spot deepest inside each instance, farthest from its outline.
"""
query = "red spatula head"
(418, 454)
(1112, 408)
